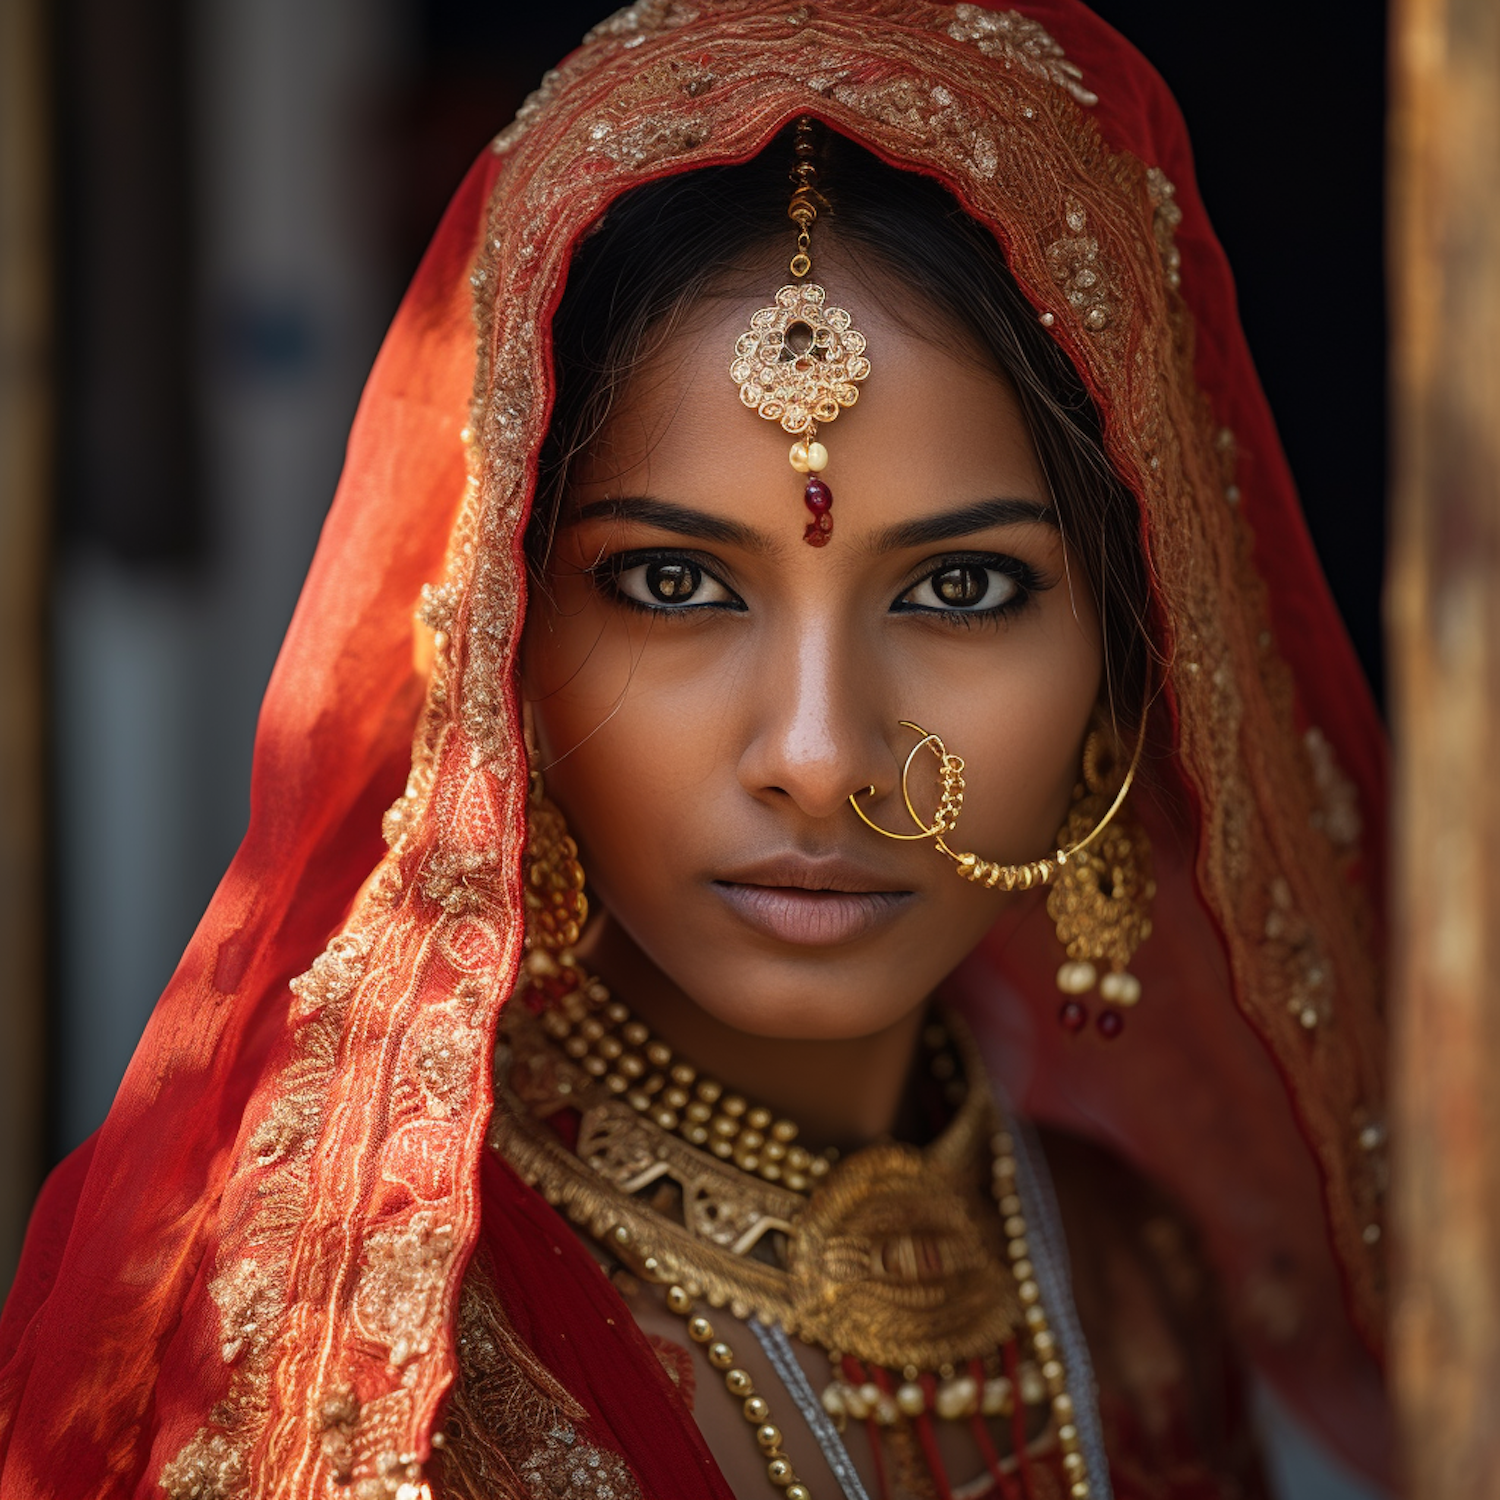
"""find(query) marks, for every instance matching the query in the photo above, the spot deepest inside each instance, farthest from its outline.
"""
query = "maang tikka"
(800, 361)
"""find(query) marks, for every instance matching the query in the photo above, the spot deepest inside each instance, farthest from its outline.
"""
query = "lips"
(812, 902)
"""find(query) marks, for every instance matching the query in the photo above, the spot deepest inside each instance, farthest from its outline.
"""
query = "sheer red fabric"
(247, 1282)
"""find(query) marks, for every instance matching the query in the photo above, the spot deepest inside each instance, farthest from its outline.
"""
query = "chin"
(812, 1010)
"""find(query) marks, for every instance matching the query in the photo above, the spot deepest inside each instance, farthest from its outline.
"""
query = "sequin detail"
(1009, 35)
(1164, 221)
(1086, 281)
(1337, 814)
(512, 1432)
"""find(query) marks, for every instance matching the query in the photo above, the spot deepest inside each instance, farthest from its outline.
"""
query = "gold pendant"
(896, 1256)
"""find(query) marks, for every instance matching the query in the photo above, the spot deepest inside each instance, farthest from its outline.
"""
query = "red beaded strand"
(1003, 1481)
(855, 1373)
(1012, 1358)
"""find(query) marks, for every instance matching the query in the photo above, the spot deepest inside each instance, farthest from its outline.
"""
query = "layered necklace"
(911, 1268)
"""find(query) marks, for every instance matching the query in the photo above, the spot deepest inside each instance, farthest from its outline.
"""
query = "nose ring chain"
(973, 867)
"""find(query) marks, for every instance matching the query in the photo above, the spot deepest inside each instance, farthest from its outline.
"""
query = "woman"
(746, 1212)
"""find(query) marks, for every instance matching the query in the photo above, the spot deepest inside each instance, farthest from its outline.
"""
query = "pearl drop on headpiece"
(800, 361)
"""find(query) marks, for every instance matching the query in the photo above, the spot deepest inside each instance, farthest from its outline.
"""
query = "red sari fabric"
(247, 1283)
(570, 1359)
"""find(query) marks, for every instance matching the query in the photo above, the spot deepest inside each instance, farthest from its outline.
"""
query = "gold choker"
(894, 1260)
(621, 1057)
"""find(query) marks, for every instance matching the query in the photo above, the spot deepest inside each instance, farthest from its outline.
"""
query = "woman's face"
(707, 690)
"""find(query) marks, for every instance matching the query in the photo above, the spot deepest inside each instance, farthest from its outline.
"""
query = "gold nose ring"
(972, 867)
(950, 802)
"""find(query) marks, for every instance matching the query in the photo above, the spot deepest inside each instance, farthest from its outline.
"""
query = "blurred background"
(208, 210)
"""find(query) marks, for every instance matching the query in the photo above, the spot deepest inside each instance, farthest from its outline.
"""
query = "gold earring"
(556, 907)
(1071, 844)
(1101, 901)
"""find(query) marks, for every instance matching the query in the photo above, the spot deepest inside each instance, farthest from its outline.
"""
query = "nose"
(817, 733)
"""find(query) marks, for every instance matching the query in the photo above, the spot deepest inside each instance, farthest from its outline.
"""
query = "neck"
(843, 1092)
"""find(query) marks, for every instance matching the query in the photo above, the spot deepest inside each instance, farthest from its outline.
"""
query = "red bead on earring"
(1073, 1015)
(1110, 1023)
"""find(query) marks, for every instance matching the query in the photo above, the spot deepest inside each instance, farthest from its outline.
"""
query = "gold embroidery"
(637, 142)
(1164, 224)
(439, 601)
(209, 1468)
(511, 1430)
(533, 104)
(249, 1290)
(289, 1121)
(333, 974)
(338, 1413)
(248, 1300)
(565, 1468)
(404, 1274)
(1337, 813)
(1298, 952)
(376, 1441)
(1228, 451)
(1076, 267)
(1017, 38)
(461, 880)
(441, 1054)
(638, 20)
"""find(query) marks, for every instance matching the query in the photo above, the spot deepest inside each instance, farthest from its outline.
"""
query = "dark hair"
(668, 245)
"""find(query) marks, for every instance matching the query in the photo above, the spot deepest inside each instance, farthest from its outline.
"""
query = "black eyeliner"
(606, 574)
(1028, 580)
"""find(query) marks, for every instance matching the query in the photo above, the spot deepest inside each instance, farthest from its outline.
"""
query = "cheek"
(640, 794)
(1020, 733)
(629, 758)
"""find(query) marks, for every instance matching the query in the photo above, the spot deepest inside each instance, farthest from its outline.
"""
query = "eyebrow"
(679, 518)
(980, 516)
(682, 519)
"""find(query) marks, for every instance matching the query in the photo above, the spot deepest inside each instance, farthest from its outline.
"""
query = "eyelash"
(607, 575)
(1028, 582)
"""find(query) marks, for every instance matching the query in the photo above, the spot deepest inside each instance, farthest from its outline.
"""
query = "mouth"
(812, 903)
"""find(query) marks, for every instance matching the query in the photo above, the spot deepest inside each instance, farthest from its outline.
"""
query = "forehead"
(934, 426)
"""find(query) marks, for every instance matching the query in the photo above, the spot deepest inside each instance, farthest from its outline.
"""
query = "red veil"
(246, 1282)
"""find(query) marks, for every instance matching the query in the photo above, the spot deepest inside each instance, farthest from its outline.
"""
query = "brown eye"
(673, 582)
(971, 588)
(961, 586)
(665, 583)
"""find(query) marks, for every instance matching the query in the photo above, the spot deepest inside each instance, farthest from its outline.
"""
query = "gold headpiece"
(800, 361)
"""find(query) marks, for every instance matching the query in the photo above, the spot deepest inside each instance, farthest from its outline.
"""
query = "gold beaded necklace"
(927, 1305)
(619, 1052)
